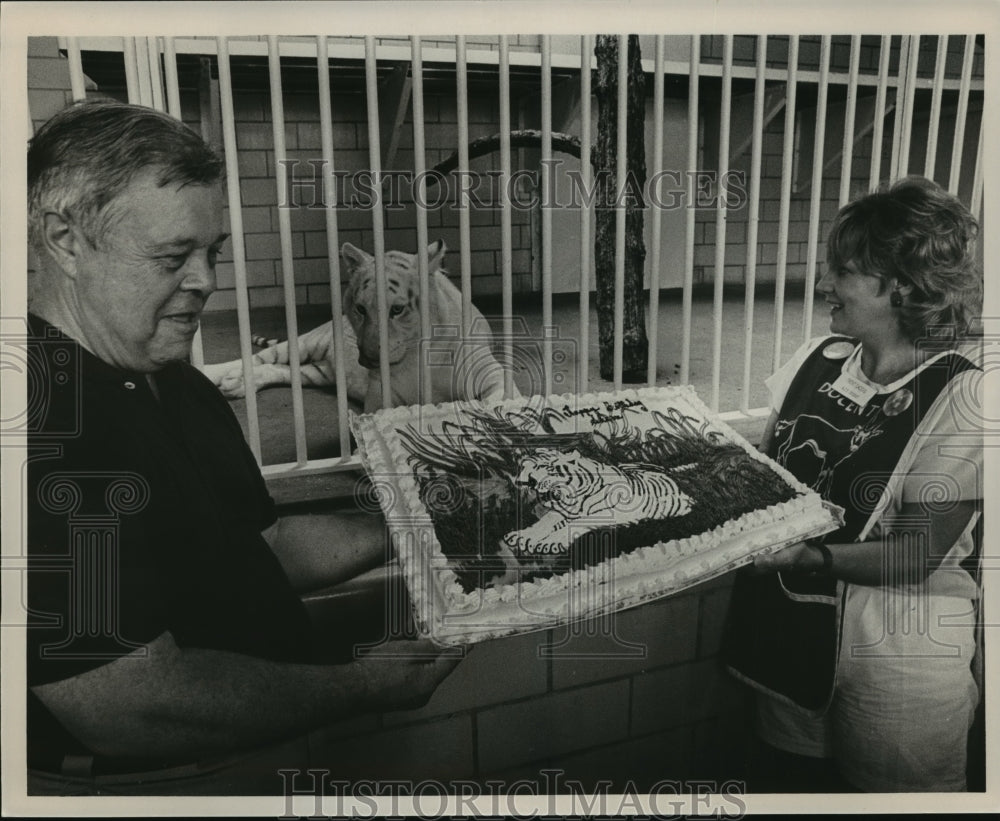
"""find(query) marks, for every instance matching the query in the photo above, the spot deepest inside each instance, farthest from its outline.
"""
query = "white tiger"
(582, 494)
(474, 372)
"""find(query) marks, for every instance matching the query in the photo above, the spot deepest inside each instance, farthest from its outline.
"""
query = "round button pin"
(838, 350)
(898, 402)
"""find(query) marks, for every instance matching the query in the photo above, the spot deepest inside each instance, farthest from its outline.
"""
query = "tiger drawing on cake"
(580, 494)
(473, 373)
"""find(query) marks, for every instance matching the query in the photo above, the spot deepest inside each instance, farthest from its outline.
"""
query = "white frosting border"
(450, 615)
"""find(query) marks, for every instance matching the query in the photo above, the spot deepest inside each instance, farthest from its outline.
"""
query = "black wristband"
(827, 558)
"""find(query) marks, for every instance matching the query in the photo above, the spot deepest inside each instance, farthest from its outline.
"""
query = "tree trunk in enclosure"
(611, 194)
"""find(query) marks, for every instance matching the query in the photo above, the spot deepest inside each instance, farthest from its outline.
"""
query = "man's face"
(141, 292)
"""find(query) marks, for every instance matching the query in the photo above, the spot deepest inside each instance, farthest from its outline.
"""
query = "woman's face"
(859, 302)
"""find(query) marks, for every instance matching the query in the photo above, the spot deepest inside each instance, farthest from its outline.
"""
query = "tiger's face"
(402, 300)
(556, 476)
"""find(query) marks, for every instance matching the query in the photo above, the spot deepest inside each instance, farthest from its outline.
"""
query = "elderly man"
(164, 625)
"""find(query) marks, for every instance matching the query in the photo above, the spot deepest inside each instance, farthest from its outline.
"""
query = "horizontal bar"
(349, 51)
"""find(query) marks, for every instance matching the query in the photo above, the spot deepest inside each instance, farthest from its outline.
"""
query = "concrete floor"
(220, 341)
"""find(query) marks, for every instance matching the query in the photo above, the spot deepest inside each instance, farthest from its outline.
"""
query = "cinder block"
(539, 728)
(682, 695)
(249, 106)
(254, 136)
(274, 296)
(259, 272)
(258, 191)
(221, 301)
(640, 765)
(50, 73)
(256, 220)
(43, 47)
(492, 672)
(626, 643)
(440, 750)
(252, 163)
(316, 245)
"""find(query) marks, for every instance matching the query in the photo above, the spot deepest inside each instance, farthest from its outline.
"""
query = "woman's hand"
(801, 557)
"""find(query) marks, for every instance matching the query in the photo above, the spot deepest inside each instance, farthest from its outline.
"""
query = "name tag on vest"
(854, 389)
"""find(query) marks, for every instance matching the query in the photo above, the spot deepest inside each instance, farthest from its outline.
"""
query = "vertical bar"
(239, 242)
(464, 221)
(77, 83)
(817, 186)
(506, 229)
(900, 103)
(787, 156)
(963, 111)
(753, 219)
(977, 176)
(692, 165)
(654, 271)
(720, 218)
(621, 169)
(420, 171)
(142, 71)
(155, 76)
(932, 134)
(586, 240)
(546, 161)
(911, 89)
(131, 70)
(172, 81)
(174, 110)
(378, 220)
(852, 103)
(285, 237)
(879, 123)
(332, 240)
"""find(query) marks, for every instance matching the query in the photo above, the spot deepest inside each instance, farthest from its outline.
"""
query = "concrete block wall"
(641, 697)
(306, 197)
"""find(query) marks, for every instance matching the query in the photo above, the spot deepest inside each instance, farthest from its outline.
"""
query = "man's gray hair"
(83, 158)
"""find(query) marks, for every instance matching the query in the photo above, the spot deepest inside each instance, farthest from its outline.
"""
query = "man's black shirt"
(145, 514)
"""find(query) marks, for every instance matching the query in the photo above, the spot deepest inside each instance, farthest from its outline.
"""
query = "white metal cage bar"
(155, 75)
(753, 220)
(378, 218)
(909, 94)
(548, 324)
(621, 169)
(420, 169)
(238, 244)
(506, 221)
(285, 240)
(77, 83)
(816, 187)
(879, 123)
(464, 217)
(332, 241)
(687, 285)
(784, 207)
(847, 151)
(586, 214)
(725, 114)
(930, 159)
(963, 110)
(171, 79)
(899, 103)
(653, 325)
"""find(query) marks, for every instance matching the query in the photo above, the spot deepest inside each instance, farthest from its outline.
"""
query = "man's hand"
(403, 674)
(800, 557)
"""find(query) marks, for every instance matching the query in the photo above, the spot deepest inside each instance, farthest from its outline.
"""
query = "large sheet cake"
(533, 512)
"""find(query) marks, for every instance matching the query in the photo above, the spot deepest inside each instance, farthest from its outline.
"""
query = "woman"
(859, 645)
